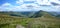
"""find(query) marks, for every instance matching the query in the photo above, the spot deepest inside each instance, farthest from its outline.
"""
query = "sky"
(30, 5)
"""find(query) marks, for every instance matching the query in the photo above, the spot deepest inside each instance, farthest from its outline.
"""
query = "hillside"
(40, 19)
(46, 22)
(7, 21)
(19, 14)
(39, 14)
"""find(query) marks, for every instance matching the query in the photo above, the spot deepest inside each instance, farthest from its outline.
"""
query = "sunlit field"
(45, 21)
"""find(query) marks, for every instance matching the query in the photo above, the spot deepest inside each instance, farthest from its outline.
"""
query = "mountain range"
(31, 14)
(41, 19)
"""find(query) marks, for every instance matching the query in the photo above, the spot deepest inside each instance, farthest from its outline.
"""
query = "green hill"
(39, 14)
(46, 21)
(43, 19)
(7, 21)
(40, 19)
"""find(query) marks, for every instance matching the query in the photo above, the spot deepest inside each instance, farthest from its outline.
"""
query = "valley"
(40, 19)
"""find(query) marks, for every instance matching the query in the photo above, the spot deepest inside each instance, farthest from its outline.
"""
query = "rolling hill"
(40, 19)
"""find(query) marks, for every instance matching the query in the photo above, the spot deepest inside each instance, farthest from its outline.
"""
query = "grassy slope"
(46, 21)
(7, 21)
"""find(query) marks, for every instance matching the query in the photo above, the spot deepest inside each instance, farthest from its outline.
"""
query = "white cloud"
(43, 2)
(33, 6)
(6, 7)
(56, 1)
(1, 9)
(24, 7)
(28, 0)
(40, 2)
(47, 2)
(9, 7)
(19, 2)
(6, 4)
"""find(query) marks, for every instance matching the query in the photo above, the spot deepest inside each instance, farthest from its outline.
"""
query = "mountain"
(19, 14)
(40, 19)
(56, 14)
(30, 14)
(39, 14)
(42, 13)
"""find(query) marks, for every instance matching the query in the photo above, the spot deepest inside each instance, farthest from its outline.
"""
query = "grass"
(7, 21)
(11, 21)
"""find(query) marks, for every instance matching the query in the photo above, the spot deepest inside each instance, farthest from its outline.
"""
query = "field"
(46, 21)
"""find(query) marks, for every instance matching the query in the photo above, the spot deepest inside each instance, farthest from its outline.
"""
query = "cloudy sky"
(29, 5)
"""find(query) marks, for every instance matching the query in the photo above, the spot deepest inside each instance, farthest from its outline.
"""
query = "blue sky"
(29, 5)
(7, 1)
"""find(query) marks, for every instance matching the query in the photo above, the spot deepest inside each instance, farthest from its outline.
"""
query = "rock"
(19, 26)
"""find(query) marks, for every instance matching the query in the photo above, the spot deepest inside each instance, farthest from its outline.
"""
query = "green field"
(45, 21)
